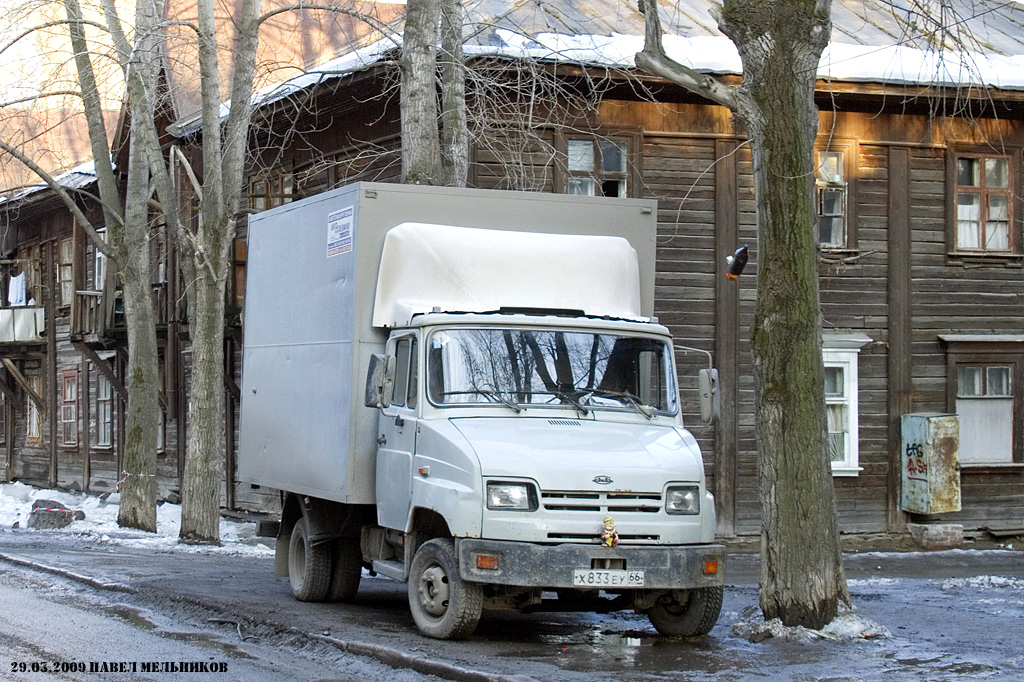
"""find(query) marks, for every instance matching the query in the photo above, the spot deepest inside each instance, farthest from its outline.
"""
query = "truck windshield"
(580, 370)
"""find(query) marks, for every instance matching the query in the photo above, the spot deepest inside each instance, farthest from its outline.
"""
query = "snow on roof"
(870, 42)
(78, 177)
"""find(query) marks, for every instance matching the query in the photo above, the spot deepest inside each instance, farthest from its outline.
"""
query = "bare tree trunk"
(204, 465)
(421, 148)
(802, 577)
(138, 492)
(129, 234)
(454, 133)
(780, 43)
(207, 269)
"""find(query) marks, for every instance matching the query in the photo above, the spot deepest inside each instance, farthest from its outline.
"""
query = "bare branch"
(378, 25)
(654, 60)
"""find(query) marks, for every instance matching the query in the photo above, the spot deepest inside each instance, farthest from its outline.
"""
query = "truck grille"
(611, 503)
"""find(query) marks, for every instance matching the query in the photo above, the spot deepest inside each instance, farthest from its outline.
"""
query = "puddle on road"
(207, 640)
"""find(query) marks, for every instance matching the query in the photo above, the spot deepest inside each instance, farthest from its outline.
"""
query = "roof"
(871, 41)
(79, 177)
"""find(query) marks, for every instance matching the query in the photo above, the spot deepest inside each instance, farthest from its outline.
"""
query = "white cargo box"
(311, 280)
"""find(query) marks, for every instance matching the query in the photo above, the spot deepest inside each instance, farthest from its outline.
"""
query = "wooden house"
(920, 195)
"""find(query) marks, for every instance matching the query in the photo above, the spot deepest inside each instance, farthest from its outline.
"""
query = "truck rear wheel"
(687, 613)
(348, 569)
(443, 605)
(309, 566)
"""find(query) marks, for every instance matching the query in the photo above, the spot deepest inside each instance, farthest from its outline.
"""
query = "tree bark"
(128, 248)
(421, 146)
(780, 44)
(138, 491)
(204, 463)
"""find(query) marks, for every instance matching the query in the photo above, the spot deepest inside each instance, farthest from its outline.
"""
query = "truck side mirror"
(379, 380)
(710, 398)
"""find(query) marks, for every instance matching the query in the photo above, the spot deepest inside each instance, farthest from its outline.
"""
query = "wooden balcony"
(22, 325)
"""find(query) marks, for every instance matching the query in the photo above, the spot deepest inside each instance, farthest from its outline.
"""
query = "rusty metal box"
(930, 463)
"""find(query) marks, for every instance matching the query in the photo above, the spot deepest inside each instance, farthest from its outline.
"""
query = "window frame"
(270, 189)
(1015, 205)
(104, 420)
(33, 413)
(631, 176)
(999, 350)
(849, 148)
(69, 408)
(843, 350)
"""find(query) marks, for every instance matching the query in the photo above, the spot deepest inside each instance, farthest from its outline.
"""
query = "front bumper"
(525, 564)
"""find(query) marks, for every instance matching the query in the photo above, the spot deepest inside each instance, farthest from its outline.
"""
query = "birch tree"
(127, 220)
(780, 44)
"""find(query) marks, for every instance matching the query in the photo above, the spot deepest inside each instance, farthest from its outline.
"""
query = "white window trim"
(842, 350)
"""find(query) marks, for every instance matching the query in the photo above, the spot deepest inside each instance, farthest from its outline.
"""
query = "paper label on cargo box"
(339, 232)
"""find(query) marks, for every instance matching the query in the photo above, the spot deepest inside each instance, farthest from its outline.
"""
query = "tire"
(443, 605)
(309, 566)
(687, 613)
(347, 562)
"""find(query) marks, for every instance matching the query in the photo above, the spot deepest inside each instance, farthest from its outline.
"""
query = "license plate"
(607, 578)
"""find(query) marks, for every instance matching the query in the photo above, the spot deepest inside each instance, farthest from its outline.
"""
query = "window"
(834, 194)
(983, 199)
(984, 402)
(104, 413)
(99, 273)
(65, 271)
(597, 167)
(69, 407)
(33, 415)
(404, 392)
(830, 187)
(839, 355)
(267, 192)
(985, 388)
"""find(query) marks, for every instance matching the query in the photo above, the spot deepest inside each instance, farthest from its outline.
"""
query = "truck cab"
(548, 455)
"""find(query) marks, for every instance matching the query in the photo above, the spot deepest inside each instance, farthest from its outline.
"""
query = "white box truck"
(465, 390)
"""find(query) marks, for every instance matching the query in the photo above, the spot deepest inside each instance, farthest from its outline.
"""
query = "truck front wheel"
(443, 605)
(687, 613)
(309, 566)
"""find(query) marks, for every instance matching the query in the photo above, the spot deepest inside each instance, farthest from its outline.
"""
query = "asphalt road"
(946, 623)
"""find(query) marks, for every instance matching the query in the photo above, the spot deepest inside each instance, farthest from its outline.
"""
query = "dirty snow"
(100, 523)
(847, 626)
(983, 582)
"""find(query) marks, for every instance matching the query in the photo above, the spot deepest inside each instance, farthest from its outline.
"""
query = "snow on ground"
(983, 582)
(847, 626)
(100, 523)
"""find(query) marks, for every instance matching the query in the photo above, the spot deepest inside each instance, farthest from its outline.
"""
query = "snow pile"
(847, 626)
(100, 523)
(988, 582)
(871, 582)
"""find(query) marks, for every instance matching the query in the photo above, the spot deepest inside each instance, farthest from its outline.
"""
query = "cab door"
(396, 438)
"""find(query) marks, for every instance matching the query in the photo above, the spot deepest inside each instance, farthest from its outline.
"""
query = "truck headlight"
(682, 499)
(511, 496)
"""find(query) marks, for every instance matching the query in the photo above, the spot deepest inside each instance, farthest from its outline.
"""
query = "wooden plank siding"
(898, 284)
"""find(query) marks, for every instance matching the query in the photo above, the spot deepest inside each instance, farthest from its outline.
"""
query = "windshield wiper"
(499, 398)
(572, 399)
(630, 399)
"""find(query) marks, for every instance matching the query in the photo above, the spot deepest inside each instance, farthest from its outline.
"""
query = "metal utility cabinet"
(930, 463)
(465, 390)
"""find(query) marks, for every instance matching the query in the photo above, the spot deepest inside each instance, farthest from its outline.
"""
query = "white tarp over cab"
(462, 269)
